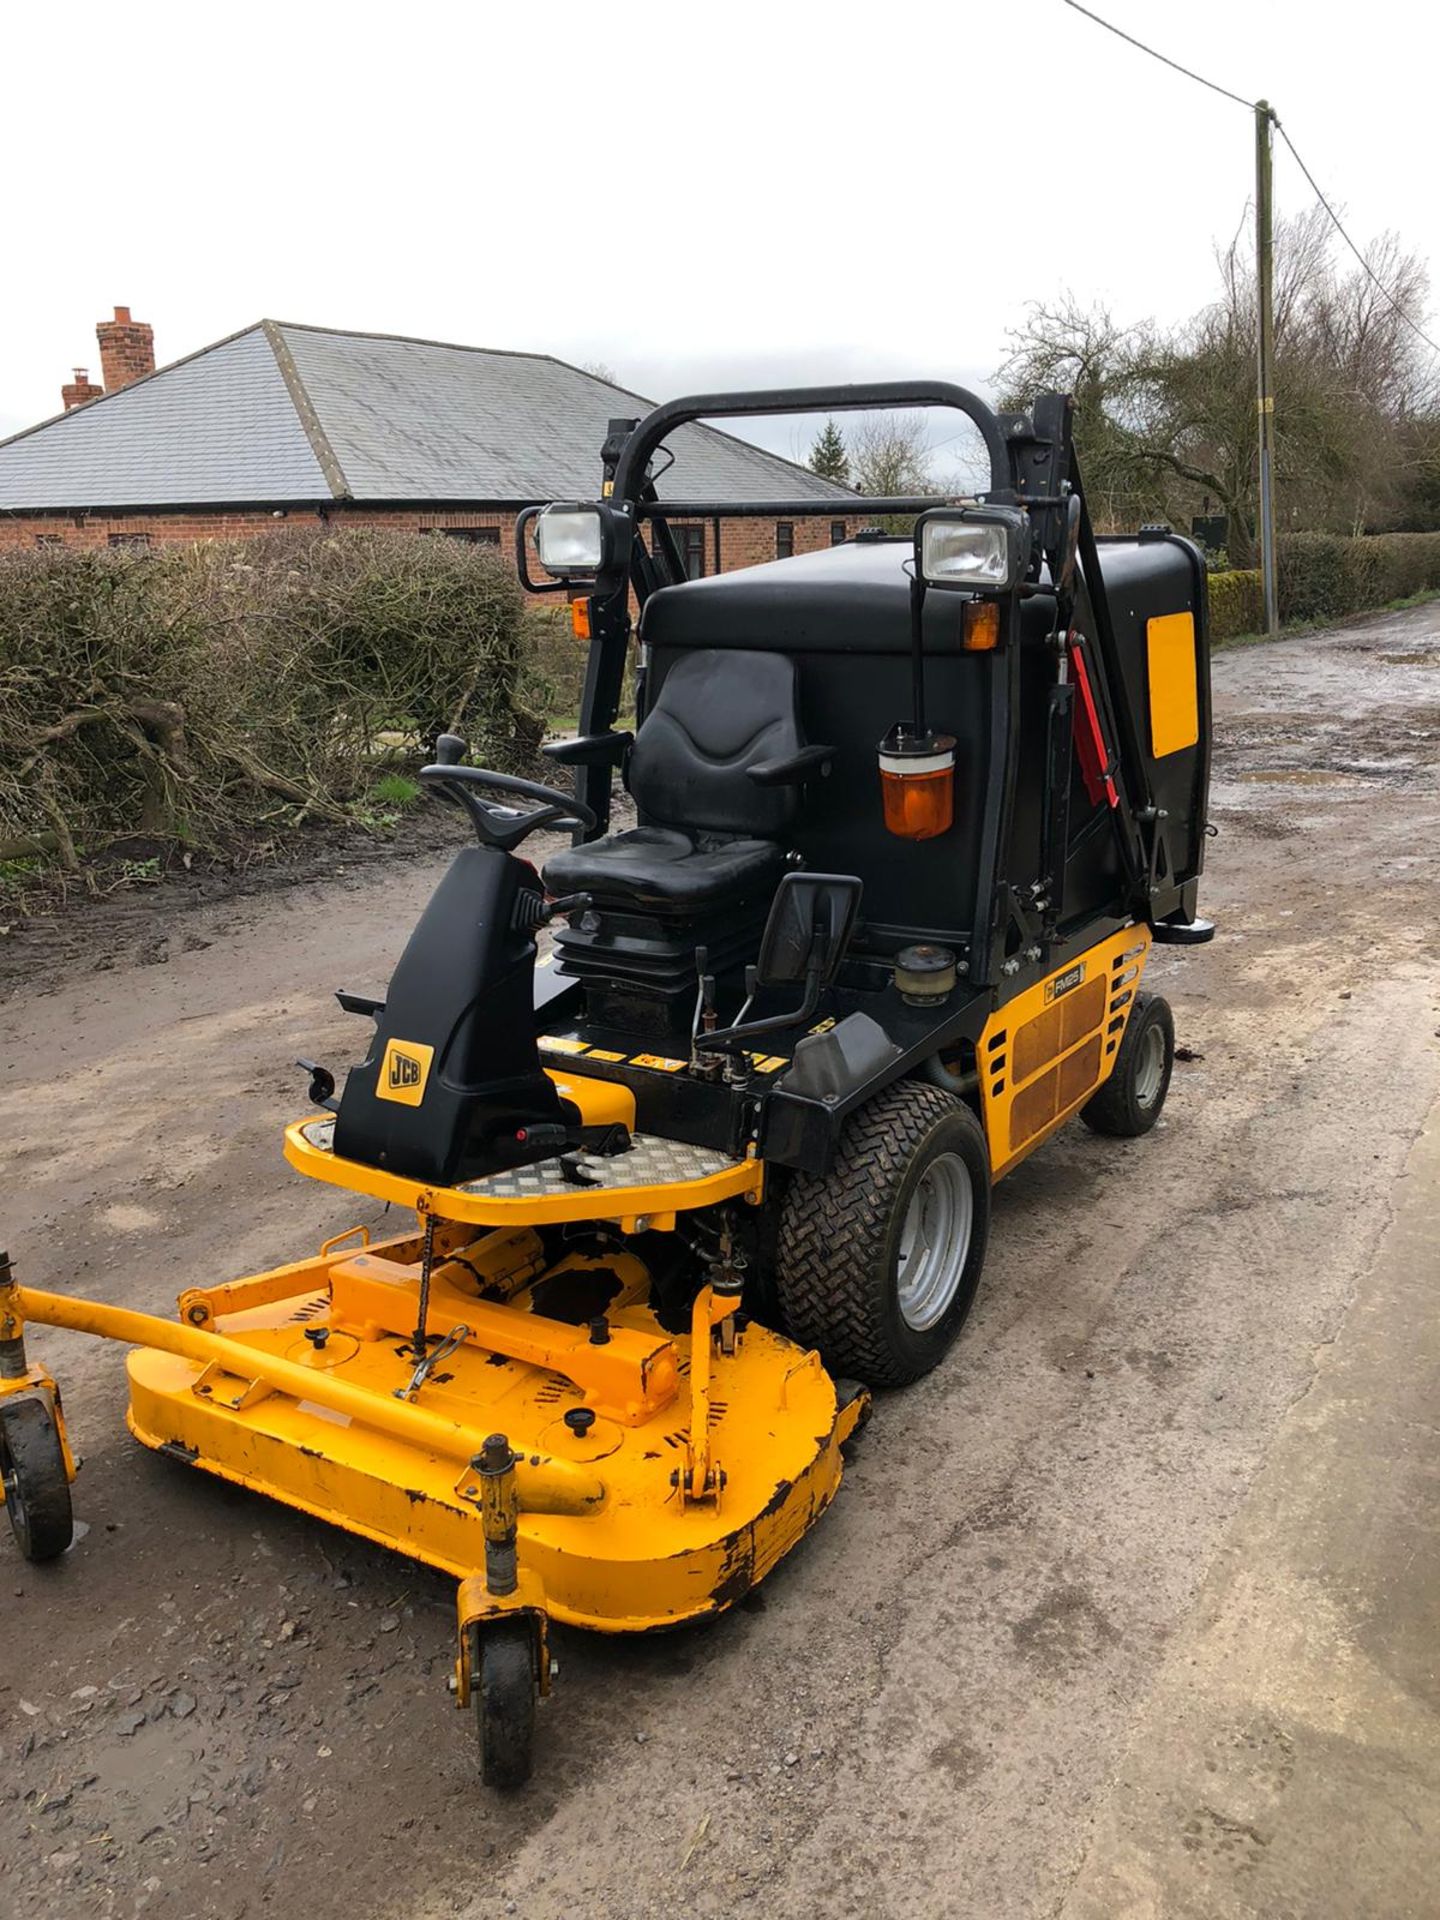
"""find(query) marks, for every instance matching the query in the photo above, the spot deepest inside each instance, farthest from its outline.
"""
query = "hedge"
(1237, 605)
(201, 694)
(1325, 576)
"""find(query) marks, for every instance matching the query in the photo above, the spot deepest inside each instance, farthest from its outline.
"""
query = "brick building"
(310, 426)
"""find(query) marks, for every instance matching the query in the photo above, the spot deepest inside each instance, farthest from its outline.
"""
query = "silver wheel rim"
(935, 1242)
(1150, 1068)
(14, 1493)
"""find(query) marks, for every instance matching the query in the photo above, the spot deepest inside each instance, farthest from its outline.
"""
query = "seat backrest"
(718, 712)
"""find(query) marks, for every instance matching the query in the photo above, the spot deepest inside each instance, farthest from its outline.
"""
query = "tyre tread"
(31, 1440)
(833, 1228)
(503, 1682)
(1112, 1110)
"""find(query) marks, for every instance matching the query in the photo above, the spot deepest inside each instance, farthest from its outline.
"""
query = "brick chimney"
(127, 349)
(80, 389)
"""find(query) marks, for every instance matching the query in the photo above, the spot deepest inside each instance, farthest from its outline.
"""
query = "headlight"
(979, 547)
(570, 540)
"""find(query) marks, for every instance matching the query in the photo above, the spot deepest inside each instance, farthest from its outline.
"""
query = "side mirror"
(811, 920)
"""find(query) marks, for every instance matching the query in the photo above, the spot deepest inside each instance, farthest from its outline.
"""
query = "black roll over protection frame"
(1033, 466)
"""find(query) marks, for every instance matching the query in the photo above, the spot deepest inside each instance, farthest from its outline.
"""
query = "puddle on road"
(1301, 776)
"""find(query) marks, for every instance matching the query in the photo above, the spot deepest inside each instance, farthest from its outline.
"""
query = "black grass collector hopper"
(911, 814)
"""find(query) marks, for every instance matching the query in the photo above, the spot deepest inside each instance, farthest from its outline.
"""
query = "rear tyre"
(1131, 1100)
(879, 1259)
(32, 1472)
(503, 1687)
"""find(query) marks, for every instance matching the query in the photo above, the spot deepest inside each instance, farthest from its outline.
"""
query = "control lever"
(705, 1015)
(567, 903)
(752, 982)
(737, 1070)
(532, 910)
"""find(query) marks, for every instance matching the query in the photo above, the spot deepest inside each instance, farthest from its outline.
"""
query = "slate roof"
(282, 414)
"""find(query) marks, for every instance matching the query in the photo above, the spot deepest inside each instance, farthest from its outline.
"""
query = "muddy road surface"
(1086, 1632)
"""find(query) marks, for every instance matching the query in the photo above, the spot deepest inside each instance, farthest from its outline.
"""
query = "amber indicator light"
(982, 626)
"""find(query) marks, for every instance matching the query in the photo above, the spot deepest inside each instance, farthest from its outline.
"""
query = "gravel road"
(964, 1695)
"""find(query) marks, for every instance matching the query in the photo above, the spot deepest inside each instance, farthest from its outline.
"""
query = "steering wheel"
(501, 827)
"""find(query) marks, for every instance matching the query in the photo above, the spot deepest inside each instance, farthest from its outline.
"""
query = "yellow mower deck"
(635, 1553)
(669, 1493)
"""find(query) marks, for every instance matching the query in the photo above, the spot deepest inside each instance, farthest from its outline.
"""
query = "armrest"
(794, 769)
(589, 749)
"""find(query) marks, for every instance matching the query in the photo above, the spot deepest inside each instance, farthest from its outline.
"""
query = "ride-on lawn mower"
(687, 1191)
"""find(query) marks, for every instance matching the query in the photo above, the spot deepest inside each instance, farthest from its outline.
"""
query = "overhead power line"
(1256, 106)
(1163, 58)
(1369, 271)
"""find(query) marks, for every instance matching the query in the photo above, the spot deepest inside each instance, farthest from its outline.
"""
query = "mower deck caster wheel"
(846, 1391)
(503, 1686)
(37, 1489)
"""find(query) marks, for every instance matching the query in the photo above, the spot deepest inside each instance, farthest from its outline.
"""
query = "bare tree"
(1166, 417)
(889, 455)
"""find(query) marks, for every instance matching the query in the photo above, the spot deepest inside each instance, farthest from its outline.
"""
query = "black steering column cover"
(454, 1072)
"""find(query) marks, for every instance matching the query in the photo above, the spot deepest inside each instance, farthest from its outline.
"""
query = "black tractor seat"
(665, 870)
(715, 772)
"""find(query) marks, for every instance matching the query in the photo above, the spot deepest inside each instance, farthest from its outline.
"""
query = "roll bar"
(861, 506)
(647, 434)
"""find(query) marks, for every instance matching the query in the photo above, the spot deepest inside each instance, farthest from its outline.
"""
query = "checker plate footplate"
(651, 1162)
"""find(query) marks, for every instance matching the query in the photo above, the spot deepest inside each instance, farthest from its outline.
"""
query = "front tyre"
(32, 1472)
(1131, 1100)
(503, 1688)
(878, 1260)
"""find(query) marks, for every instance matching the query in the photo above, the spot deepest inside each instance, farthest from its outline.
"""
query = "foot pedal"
(574, 1175)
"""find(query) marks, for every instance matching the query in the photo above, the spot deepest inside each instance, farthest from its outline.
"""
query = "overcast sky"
(699, 196)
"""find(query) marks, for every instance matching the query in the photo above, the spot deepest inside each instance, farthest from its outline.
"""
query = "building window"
(838, 534)
(477, 536)
(691, 542)
(137, 540)
(784, 539)
(49, 539)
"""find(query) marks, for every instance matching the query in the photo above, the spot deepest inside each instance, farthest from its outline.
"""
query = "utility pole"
(1265, 359)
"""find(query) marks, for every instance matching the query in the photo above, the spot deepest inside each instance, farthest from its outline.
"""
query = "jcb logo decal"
(1064, 982)
(404, 1071)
